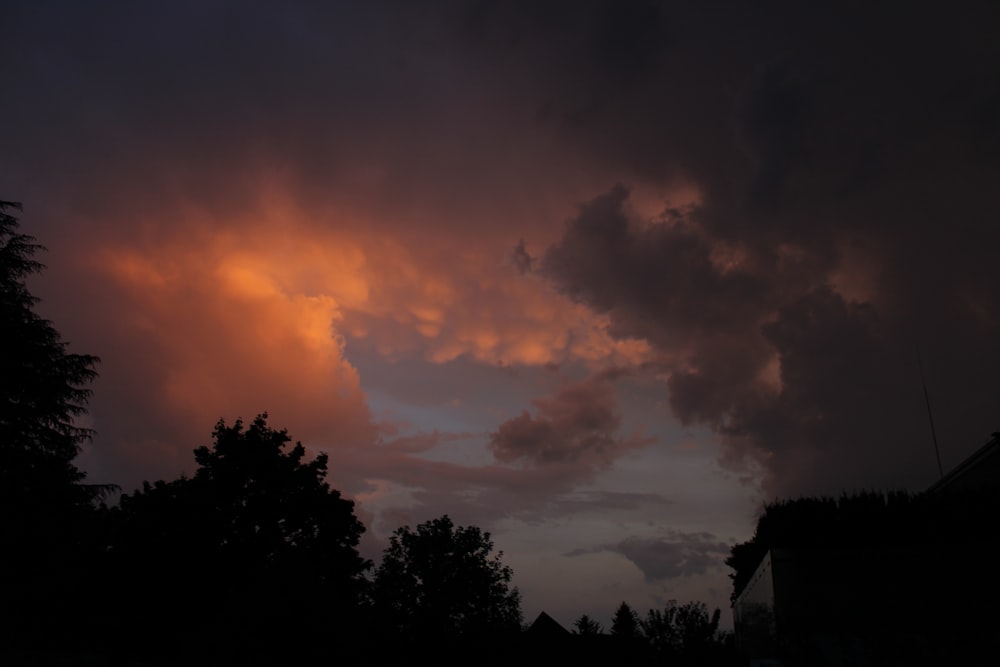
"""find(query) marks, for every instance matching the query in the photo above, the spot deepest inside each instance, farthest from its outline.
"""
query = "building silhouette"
(913, 584)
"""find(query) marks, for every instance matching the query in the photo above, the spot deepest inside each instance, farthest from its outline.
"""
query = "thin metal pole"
(930, 417)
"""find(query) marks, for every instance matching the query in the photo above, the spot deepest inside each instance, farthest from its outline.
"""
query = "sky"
(599, 277)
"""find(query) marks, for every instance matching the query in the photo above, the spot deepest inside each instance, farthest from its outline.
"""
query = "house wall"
(753, 612)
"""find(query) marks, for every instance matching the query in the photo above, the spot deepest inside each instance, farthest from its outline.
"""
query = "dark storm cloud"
(820, 388)
(124, 108)
(845, 225)
(575, 426)
(678, 554)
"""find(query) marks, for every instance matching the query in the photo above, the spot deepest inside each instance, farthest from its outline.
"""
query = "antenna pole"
(930, 417)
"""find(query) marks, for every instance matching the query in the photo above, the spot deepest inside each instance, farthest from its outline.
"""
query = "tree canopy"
(255, 502)
(439, 579)
(683, 630)
(257, 530)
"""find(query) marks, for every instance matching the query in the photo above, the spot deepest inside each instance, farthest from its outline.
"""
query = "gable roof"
(546, 626)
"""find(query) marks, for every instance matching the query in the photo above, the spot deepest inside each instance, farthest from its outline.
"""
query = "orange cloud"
(234, 330)
(230, 319)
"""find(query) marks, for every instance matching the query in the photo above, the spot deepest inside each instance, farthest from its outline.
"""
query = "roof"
(545, 625)
(982, 468)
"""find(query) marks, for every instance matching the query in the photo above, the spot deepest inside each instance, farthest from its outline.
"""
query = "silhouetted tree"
(43, 502)
(42, 389)
(441, 583)
(684, 632)
(625, 622)
(697, 628)
(586, 626)
(257, 536)
(660, 628)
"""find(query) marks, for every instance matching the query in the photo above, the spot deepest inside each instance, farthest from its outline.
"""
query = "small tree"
(439, 581)
(625, 622)
(660, 628)
(696, 627)
(587, 627)
(683, 630)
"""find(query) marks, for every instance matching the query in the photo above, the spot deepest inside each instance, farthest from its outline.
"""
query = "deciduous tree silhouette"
(698, 629)
(440, 583)
(684, 632)
(257, 537)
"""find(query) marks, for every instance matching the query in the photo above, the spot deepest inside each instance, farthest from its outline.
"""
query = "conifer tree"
(625, 622)
(44, 506)
(43, 388)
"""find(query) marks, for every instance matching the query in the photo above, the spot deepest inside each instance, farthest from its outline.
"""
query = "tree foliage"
(686, 629)
(442, 580)
(625, 622)
(271, 506)
(43, 389)
(44, 506)
(587, 627)
(257, 530)
(255, 503)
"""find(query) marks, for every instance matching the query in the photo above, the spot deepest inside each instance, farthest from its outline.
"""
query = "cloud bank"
(678, 554)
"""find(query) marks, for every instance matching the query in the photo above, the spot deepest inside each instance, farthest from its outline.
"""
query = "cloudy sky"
(598, 277)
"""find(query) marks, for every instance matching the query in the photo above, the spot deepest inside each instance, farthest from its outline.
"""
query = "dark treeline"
(678, 634)
(251, 560)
